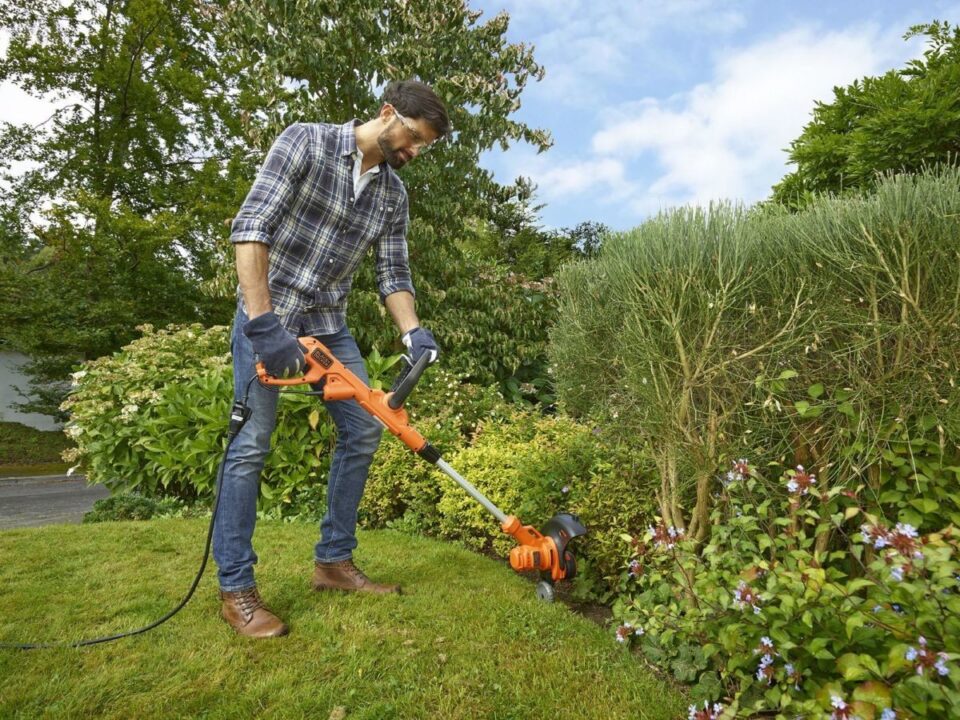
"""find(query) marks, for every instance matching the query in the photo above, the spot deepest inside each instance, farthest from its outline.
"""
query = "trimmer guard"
(563, 528)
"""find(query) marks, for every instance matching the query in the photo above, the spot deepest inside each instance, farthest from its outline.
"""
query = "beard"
(395, 158)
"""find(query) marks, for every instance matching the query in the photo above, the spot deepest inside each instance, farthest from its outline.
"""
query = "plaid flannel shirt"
(302, 206)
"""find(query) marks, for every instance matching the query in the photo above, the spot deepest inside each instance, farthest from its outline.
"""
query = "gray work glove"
(279, 351)
(418, 341)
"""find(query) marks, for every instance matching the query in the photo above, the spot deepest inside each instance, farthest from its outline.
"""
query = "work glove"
(418, 341)
(279, 351)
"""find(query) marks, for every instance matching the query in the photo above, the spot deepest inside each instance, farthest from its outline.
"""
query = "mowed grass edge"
(467, 639)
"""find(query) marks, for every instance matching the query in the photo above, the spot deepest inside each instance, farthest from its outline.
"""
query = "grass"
(23, 449)
(467, 639)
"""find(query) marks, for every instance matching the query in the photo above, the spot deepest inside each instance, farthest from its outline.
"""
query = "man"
(324, 196)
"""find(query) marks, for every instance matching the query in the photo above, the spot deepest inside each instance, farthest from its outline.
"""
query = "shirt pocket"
(382, 215)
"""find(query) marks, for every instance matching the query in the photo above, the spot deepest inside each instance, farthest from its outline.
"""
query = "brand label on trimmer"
(321, 357)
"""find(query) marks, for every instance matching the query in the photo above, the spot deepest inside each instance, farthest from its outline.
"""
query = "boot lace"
(249, 601)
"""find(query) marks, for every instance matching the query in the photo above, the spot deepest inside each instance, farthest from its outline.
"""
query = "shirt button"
(330, 261)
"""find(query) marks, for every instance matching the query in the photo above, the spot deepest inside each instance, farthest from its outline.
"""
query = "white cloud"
(603, 180)
(726, 138)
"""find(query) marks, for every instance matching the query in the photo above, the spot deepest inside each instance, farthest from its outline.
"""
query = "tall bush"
(804, 338)
(661, 336)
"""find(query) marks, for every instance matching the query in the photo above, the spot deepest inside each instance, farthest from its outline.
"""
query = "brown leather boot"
(344, 575)
(245, 612)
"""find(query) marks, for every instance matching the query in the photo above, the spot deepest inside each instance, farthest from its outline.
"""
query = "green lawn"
(24, 450)
(468, 639)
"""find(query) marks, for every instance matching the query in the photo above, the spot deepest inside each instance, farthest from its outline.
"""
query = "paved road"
(29, 502)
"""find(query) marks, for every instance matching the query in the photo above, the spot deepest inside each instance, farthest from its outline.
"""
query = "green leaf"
(858, 584)
(925, 505)
(815, 391)
(856, 620)
(850, 667)
(873, 692)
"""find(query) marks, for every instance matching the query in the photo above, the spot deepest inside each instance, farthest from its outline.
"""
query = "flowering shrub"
(761, 621)
(153, 417)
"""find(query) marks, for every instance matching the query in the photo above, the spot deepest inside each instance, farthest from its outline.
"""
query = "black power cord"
(239, 414)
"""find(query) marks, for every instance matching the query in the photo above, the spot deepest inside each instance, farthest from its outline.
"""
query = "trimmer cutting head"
(547, 551)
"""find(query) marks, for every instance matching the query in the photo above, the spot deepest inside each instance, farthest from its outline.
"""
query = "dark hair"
(417, 100)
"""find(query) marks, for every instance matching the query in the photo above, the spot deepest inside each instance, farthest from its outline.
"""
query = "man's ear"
(386, 112)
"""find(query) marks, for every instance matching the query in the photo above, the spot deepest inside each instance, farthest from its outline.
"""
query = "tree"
(119, 220)
(901, 121)
(115, 220)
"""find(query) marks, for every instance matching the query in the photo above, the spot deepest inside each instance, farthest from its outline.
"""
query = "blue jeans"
(358, 435)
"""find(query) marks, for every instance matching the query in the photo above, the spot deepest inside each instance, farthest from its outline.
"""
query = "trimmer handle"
(407, 381)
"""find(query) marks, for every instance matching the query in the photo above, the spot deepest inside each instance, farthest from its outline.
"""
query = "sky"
(658, 103)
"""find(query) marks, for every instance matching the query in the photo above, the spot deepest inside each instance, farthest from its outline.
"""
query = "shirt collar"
(348, 137)
(348, 141)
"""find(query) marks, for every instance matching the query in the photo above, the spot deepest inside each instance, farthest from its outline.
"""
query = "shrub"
(526, 465)
(401, 486)
(129, 506)
(759, 615)
(153, 418)
(617, 493)
(799, 336)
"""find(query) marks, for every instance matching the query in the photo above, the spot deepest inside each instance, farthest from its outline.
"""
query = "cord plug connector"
(239, 414)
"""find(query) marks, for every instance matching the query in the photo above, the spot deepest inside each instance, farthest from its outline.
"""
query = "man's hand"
(420, 340)
(279, 351)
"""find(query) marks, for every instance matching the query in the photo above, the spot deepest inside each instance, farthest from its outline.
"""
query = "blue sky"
(658, 103)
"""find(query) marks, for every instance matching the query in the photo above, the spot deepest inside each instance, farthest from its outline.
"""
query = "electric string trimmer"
(545, 551)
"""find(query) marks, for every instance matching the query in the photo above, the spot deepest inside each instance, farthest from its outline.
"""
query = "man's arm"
(400, 305)
(252, 273)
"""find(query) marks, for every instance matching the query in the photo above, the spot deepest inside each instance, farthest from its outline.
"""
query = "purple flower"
(665, 536)
(707, 713)
(896, 573)
(766, 647)
(888, 714)
(745, 596)
(801, 481)
(741, 469)
(925, 658)
(626, 630)
(793, 675)
(765, 669)
(841, 711)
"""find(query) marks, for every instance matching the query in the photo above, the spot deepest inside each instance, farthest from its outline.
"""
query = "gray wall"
(11, 378)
